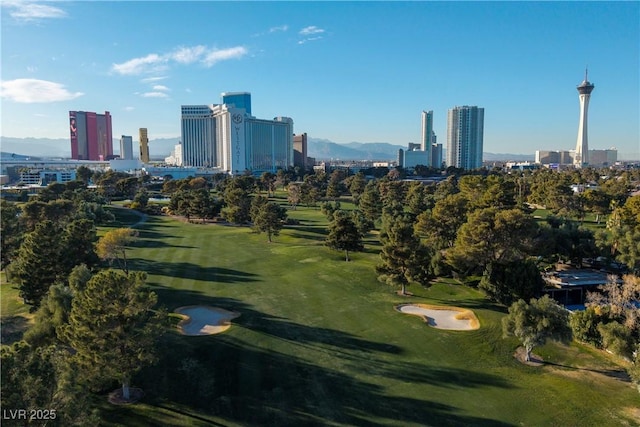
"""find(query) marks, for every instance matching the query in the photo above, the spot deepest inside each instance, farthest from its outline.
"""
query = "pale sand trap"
(442, 317)
(204, 320)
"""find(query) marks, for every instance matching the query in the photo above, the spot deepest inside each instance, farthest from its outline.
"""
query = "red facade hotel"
(91, 136)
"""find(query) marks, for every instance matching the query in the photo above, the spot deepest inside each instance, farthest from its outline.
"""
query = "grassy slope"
(319, 341)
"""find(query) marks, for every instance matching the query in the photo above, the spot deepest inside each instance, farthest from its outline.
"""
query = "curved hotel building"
(226, 136)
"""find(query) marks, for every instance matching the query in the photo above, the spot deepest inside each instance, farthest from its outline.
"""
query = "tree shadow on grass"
(12, 328)
(618, 374)
(187, 270)
(247, 383)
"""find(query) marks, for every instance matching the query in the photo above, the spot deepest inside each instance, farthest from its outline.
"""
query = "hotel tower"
(581, 157)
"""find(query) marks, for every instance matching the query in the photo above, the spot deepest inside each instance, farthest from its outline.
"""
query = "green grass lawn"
(14, 315)
(318, 342)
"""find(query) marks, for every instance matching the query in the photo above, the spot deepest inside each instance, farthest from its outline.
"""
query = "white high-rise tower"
(427, 135)
(581, 157)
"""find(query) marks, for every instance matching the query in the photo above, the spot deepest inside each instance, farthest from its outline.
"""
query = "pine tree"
(370, 202)
(270, 219)
(403, 258)
(39, 262)
(344, 235)
(113, 327)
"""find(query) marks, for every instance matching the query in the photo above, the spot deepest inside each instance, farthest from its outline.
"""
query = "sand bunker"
(204, 320)
(442, 317)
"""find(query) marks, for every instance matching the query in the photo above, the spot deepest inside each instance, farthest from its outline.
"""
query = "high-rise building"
(426, 135)
(300, 150)
(91, 137)
(436, 155)
(199, 136)
(126, 147)
(465, 130)
(144, 145)
(581, 157)
(238, 100)
(227, 137)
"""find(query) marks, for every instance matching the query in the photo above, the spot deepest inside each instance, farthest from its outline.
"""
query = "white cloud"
(154, 95)
(36, 91)
(25, 11)
(188, 55)
(182, 55)
(160, 88)
(153, 79)
(129, 108)
(215, 56)
(139, 65)
(309, 39)
(312, 29)
(280, 28)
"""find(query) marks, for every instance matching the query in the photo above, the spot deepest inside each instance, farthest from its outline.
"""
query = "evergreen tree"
(403, 258)
(371, 203)
(356, 187)
(344, 235)
(11, 232)
(39, 262)
(113, 328)
(269, 219)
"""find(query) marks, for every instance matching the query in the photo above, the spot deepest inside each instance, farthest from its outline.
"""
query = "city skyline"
(342, 71)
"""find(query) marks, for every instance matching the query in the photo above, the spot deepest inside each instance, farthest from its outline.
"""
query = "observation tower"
(581, 157)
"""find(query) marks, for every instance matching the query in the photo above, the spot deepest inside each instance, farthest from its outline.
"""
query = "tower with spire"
(581, 157)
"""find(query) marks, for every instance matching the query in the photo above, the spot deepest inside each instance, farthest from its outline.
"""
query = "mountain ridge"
(318, 148)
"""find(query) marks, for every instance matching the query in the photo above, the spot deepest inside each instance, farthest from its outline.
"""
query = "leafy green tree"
(201, 204)
(78, 241)
(510, 281)
(584, 324)
(84, 174)
(268, 182)
(344, 235)
(492, 235)
(28, 376)
(269, 218)
(362, 222)
(141, 199)
(336, 186)
(113, 244)
(237, 200)
(417, 199)
(439, 227)
(293, 194)
(597, 202)
(283, 178)
(403, 259)
(51, 192)
(617, 339)
(536, 323)
(113, 328)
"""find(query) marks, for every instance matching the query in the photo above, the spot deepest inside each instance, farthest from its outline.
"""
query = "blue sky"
(344, 71)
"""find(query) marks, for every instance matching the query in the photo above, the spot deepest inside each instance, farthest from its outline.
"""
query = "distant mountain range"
(320, 149)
